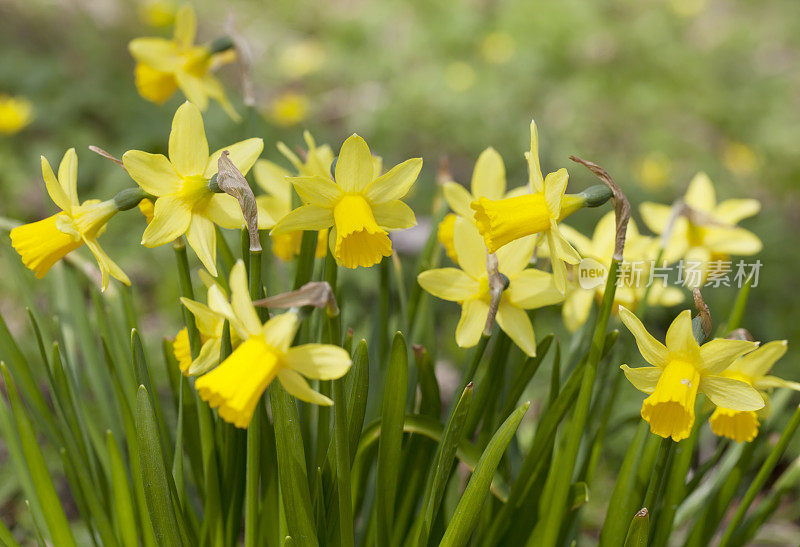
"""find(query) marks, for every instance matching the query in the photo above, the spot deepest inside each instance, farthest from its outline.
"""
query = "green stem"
(342, 441)
(761, 478)
(657, 476)
(567, 458)
(185, 277)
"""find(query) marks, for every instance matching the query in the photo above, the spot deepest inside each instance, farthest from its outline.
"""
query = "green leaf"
(154, 473)
(639, 530)
(343, 462)
(578, 495)
(431, 402)
(391, 440)
(469, 507)
(124, 515)
(358, 390)
(50, 504)
(5, 536)
(525, 375)
(443, 464)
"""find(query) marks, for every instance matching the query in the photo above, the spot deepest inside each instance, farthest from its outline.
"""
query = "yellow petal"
(716, 355)
(158, 53)
(766, 382)
(730, 393)
(354, 168)
(534, 169)
(207, 359)
(272, 179)
(577, 305)
(242, 305)
(759, 362)
(182, 351)
(171, 218)
(734, 210)
(320, 361)
(516, 324)
(185, 26)
(680, 342)
(670, 408)
(582, 244)
(565, 251)
(154, 85)
(224, 211)
(316, 190)
(531, 289)
(153, 172)
(458, 199)
(188, 147)
(202, 237)
(297, 386)
(700, 195)
(359, 239)
(68, 175)
(194, 89)
(206, 319)
(270, 210)
(107, 266)
(732, 241)
(643, 378)
(555, 184)
(559, 269)
(653, 351)
(41, 244)
(735, 425)
(394, 184)
(445, 235)
(505, 220)
(470, 249)
(515, 256)
(279, 331)
(243, 154)
(448, 284)
(54, 189)
(305, 217)
(655, 216)
(215, 91)
(394, 215)
(472, 321)
(489, 176)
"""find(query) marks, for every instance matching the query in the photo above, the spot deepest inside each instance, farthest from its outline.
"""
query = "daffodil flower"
(360, 206)
(505, 220)
(753, 369)
(185, 204)
(680, 370)
(273, 179)
(163, 66)
(631, 286)
(210, 321)
(41, 244)
(236, 385)
(709, 232)
(445, 235)
(15, 114)
(469, 286)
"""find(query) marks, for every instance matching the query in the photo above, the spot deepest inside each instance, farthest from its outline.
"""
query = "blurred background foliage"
(653, 90)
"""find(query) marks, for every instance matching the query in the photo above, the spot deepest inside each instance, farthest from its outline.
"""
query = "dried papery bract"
(705, 313)
(318, 294)
(232, 182)
(497, 284)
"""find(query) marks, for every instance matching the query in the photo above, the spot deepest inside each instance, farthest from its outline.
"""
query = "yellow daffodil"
(360, 206)
(301, 58)
(163, 66)
(708, 231)
(505, 220)
(632, 283)
(185, 204)
(469, 286)
(290, 108)
(41, 244)
(157, 13)
(236, 385)
(15, 114)
(445, 235)
(273, 179)
(210, 321)
(680, 370)
(753, 369)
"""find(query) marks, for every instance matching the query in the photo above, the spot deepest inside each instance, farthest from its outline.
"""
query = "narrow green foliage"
(124, 513)
(639, 530)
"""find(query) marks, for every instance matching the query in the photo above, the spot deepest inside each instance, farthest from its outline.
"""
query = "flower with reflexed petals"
(469, 286)
(163, 66)
(505, 220)
(41, 244)
(632, 277)
(277, 203)
(753, 369)
(236, 385)
(185, 204)
(708, 232)
(360, 206)
(680, 370)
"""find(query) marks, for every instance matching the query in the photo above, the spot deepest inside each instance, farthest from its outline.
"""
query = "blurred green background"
(653, 90)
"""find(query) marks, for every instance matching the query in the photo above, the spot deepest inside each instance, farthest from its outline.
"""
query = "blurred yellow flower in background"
(680, 370)
(460, 76)
(236, 385)
(157, 13)
(163, 66)
(707, 231)
(290, 108)
(497, 47)
(445, 235)
(753, 369)
(185, 204)
(41, 244)
(15, 114)
(277, 203)
(301, 58)
(469, 286)
(653, 170)
(361, 206)
(740, 159)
